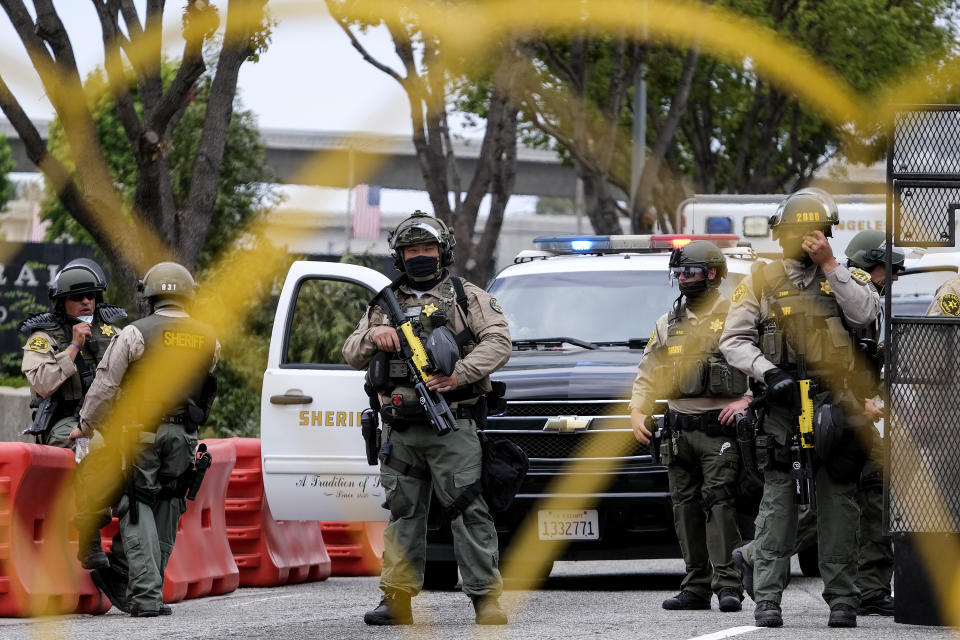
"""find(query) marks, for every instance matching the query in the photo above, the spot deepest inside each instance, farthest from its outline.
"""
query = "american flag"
(366, 214)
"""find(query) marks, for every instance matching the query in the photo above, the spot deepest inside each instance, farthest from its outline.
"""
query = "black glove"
(780, 385)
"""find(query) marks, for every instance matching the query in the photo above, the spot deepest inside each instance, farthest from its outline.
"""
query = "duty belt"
(708, 422)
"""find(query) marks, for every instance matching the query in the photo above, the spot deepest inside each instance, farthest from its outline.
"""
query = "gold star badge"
(106, 330)
(716, 326)
(825, 287)
(430, 309)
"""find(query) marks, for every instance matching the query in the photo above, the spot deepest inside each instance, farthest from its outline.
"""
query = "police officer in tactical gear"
(60, 359)
(790, 317)
(158, 431)
(415, 460)
(683, 364)
(865, 251)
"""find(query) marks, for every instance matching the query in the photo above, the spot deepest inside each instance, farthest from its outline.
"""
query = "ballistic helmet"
(807, 208)
(167, 280)
(867, 249)
(700, 254)
(81, 275)
(421, 228)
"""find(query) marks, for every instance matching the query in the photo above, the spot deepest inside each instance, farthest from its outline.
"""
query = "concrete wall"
(14, 414)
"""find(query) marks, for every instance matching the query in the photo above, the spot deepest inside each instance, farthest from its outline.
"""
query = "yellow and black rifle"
(801, 452)
(418, 363)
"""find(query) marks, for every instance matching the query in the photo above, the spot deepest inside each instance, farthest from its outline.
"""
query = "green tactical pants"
(452, 463)
(875, 561)
(702, 471)
(838, 519)
(59, 434)
(163, 457)
(100, 467)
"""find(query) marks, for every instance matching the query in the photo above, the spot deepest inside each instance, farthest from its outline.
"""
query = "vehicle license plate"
(568, 525)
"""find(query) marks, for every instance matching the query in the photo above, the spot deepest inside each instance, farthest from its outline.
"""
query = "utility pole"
(639, 121)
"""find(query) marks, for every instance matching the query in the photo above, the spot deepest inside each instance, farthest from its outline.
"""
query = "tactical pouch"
(690, 382)
(724, 380)
(771, 344)
(378, 372)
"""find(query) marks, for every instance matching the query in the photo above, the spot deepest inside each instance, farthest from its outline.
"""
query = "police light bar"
(628, 243)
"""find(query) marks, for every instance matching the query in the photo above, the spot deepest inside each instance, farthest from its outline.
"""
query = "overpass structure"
(295, 157)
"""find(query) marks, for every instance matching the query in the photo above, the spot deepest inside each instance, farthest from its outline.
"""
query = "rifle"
(418, 362)
(801, 450)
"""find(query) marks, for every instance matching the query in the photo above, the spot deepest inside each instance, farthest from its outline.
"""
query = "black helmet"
(701, 254)
(167, 281)
(868, 249)
(806, 208)
(420, 228)
(81, 275)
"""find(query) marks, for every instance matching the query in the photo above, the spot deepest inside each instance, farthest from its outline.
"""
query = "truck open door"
(314, 464)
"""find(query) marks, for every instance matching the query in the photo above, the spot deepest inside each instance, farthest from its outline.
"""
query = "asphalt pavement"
(609, 600)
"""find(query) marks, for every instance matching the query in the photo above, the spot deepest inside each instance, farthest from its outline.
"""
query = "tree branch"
(113, 64)
(345, 26)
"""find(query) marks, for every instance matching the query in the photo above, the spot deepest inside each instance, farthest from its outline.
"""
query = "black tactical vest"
(189, 341)
(694, 367)
(70, 393)
(806, 319)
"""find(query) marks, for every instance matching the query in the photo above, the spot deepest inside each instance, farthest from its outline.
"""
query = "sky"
(310, 78)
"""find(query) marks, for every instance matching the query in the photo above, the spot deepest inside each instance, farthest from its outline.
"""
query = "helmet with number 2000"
(810, 208)
(421, 228)
(700, 254)
(168, 280)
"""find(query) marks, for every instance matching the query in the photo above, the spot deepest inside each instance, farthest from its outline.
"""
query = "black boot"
(842, 615)
(882, 605)
(91, 555)
(394, 608)
(685, 601)
(165, 610)
(767, 614)
(488, 611)
(113, 585)
(729, 599)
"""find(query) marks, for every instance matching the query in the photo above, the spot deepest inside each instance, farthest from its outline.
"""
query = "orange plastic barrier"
(202, 563)
(39, 572)
(268, 552)
(355, 548)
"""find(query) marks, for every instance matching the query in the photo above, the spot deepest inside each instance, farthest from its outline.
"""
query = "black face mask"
(693, 290)
(422, 268)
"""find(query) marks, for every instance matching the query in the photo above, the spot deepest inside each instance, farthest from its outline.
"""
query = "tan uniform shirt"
(127, 348)
(485, 319)
(859, 303)
(946, 301)
(46, 364)
(647, 388)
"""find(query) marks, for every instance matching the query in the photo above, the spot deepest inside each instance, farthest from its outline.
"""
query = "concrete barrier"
(14, 414)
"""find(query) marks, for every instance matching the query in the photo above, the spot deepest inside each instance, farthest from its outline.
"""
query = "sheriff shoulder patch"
(950, 304)
(495, 305)
(860, 275)
(39, 344)
(738, 293)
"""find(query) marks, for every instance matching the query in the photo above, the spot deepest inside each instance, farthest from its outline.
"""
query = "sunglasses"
(80, 297)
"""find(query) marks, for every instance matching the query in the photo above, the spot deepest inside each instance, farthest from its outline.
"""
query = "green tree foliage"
(6, 166)
(743, 135)
(243, 191)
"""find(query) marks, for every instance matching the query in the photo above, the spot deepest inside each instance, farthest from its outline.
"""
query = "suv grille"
(519, 408)
(578, 444)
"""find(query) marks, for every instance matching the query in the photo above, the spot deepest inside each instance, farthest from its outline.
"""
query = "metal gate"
(922, 372)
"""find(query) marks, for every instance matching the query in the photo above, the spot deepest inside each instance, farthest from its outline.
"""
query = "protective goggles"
(687, 270)
(80, 297)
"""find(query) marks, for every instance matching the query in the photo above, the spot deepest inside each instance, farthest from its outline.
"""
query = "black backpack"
(504, 469)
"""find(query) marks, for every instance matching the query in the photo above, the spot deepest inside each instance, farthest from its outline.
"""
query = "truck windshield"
(596, 306)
